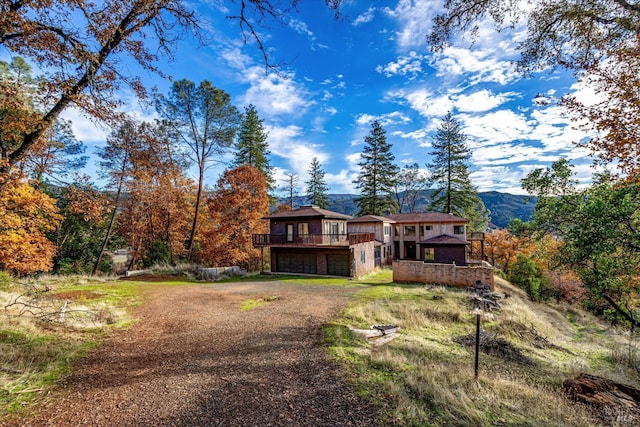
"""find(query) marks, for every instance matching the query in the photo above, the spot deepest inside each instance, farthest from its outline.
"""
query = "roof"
(433, 217)
(307, 212)
(370, 218)
(443, 240)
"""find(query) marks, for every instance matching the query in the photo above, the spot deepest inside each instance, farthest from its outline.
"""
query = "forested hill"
(503, 206)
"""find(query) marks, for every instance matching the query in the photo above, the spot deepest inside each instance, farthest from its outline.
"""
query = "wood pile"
(615, 402)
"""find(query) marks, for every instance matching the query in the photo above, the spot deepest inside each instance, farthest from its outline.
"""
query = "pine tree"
(454, 193)
(316, 186)
(252, 147)
(377, 174)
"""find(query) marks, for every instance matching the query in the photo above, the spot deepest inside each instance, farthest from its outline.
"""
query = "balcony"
(475, 236)
(311, 240)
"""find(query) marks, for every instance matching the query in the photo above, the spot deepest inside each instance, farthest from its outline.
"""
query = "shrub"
(5, 279)
(527, 276)
(158, 253)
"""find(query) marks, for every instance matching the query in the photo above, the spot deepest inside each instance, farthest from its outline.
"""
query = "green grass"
(294, 280)
(425, 378)
(31, 362)
(421, 378)
(34, 353)
(250, 304)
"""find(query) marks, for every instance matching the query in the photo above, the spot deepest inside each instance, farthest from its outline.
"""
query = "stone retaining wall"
(445, 274)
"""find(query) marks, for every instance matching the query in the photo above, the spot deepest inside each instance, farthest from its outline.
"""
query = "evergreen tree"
(316, 186)
(377, 174)
(454, 193)
(252, 147)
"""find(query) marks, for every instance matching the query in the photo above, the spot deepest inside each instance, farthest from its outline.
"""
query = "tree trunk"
(112, 221)
(194, 224)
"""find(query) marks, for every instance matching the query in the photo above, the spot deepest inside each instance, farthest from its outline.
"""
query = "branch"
(625, 314)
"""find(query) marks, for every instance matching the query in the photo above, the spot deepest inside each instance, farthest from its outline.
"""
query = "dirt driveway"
(196, 359)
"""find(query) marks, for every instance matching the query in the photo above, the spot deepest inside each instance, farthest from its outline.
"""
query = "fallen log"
(608, 397)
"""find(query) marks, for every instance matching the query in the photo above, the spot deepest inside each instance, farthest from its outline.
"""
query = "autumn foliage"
(235, 210)
(502, 249)
(27, 215)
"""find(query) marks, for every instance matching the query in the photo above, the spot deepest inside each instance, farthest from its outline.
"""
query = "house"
(381, 227)
(312, 240)
(432, 247)
(431, 237)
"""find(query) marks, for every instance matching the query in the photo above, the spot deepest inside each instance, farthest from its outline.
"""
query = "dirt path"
(196, 359)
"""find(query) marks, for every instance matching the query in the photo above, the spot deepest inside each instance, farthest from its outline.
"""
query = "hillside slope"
(426, 375)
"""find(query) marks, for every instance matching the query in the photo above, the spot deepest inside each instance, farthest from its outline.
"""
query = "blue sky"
(343, 74)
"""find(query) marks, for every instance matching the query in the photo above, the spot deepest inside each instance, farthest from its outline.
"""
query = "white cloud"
(476, 66)
(414, 19)
(289, 143)
(275, 95)
(84, 128)
(498, 178)
(365, 17)
(497, 127)
(432, 105)
(341, 182)
(410, 64)
(393, 118)
(301, 28)
(482, 100)
(235, 58)
(428, 105)
(419, 135)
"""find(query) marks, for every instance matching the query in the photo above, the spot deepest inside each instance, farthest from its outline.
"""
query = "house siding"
(384, 241)
(361, 266)
(446, 255)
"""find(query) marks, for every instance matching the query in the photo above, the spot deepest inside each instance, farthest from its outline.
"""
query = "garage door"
(297, 263)
(338, 265)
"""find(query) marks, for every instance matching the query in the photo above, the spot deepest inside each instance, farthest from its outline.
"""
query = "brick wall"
(445, 274)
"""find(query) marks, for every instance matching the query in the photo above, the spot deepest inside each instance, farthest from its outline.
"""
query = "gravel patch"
(196, 359)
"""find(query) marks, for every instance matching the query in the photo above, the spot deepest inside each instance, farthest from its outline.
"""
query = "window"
(458, 229)
(429, 254)
(387, 230)
(303, 228)
(396, 230)
(289, 232)
(376, 252)
(362, 257)
(409, 230)
(425, 229)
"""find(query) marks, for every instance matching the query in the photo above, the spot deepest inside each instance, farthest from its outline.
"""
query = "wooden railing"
(355, 238)
(311, 239)
(475, 236)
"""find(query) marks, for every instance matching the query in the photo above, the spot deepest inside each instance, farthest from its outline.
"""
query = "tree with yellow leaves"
(27, 215)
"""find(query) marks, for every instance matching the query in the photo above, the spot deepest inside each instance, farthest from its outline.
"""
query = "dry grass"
(48, 323)
(428, 379)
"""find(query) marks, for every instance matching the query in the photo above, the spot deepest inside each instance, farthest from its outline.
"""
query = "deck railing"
(311, 239)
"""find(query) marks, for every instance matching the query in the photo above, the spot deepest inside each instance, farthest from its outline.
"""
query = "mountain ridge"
(504, 207)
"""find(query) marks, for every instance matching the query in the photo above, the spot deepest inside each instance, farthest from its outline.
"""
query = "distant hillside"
(503, 206)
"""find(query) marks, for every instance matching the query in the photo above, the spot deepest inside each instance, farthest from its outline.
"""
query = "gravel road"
(196, 359)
